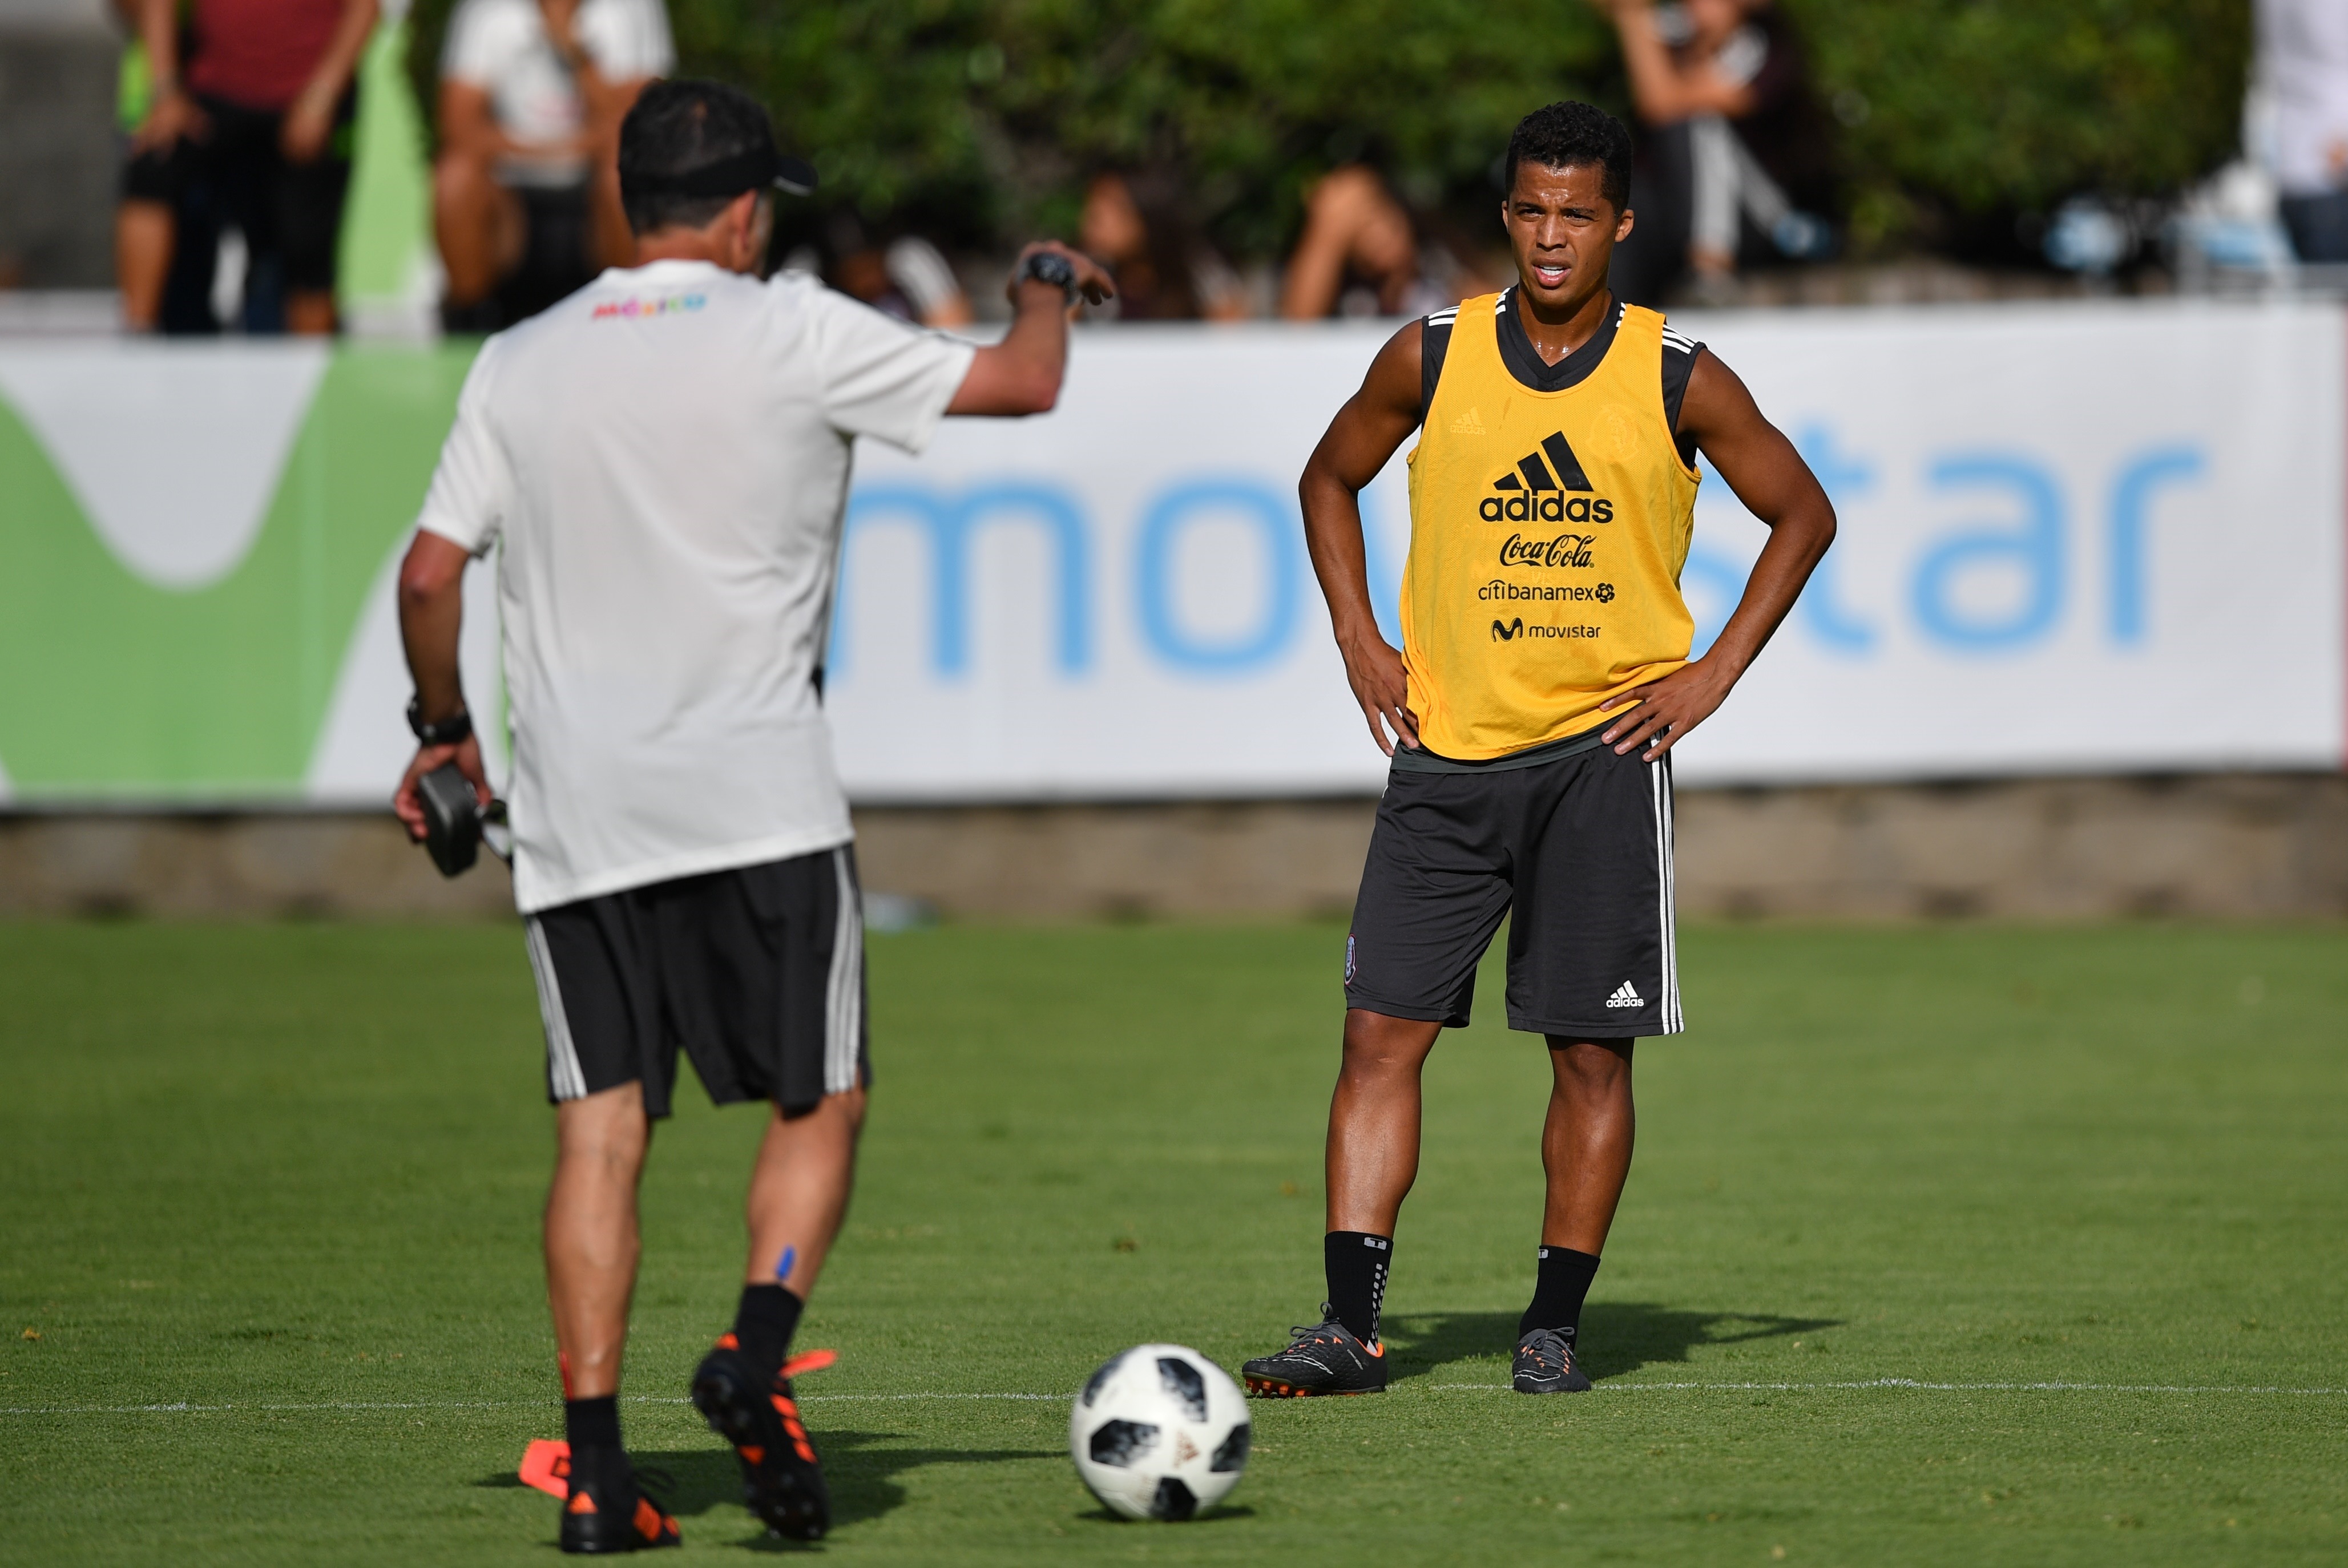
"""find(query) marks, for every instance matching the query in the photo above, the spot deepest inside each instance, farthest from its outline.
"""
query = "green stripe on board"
(387, 222)
(118, 688)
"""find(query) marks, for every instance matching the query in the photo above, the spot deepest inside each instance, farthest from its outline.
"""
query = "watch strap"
(448, 731)
(1051, 267)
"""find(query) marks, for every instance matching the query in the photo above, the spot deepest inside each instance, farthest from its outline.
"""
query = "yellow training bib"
(1546, 533)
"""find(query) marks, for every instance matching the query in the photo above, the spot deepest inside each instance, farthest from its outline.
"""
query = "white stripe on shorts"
(844, 1001)
(564, 1080)
(1666, 903)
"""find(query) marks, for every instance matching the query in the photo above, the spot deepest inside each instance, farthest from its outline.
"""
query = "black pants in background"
(291, 214)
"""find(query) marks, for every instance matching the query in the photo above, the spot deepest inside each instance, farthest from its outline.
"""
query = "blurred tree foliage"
(1956, 110)
(976, 121)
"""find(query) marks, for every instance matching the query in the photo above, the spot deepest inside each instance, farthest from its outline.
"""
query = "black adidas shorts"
(1580, 847)
(756, 972)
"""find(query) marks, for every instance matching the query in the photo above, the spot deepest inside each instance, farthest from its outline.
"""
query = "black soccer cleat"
(605, 1514)
(1325, 1358)
(752, 1409)
(1545, 1364)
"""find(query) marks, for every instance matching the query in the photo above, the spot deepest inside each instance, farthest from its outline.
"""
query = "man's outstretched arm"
(1373, 423)
(1770, 477)
(1021, 374)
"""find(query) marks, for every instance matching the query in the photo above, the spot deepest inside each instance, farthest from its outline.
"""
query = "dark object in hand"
(452, 819)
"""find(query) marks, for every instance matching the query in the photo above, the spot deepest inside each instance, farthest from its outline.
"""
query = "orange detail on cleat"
(546, 1465)
(809, 1361)
(727, 1341)
(648, 1520)
(756, 1455)
(805, 1452)
(784, 1407)
(580, 1502)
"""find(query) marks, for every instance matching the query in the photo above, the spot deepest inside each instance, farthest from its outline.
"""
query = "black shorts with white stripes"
(756, 972)
(1581, 849)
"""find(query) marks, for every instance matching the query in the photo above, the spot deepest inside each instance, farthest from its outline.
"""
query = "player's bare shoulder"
(1717, 403)
(1393, 380)
(1379, 417)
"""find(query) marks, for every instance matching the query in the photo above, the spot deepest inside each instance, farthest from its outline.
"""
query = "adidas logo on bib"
(1555, 491)
(1625, 996)
(1562, 472)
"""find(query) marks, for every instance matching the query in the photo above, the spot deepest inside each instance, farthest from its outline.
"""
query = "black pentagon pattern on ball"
(1174, 1500)
(1119, 1443)
(1233, 1451)
(1182, 1380)
(1092, 1385)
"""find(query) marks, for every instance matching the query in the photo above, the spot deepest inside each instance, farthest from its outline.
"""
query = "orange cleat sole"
(1270, 1388)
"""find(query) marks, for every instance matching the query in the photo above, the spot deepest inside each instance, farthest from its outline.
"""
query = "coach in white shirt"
(662, 461)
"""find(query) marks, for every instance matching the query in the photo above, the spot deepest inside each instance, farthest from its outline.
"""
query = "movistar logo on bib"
(1535, 491)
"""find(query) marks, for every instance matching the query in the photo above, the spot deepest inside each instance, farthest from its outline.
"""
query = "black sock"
(592, 1427)
(592, 1423)
(1557, 1292)
(765, 1322)
(1356, 1264)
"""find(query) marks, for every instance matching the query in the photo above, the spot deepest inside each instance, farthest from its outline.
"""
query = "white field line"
(185, 1408)
(1933, 1388)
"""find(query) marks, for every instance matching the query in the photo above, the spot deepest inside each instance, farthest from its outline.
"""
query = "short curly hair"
(1564, 134)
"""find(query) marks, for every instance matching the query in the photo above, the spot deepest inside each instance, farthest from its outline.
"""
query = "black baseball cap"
(724, 113)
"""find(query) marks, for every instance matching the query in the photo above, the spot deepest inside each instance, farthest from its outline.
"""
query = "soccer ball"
(1159, 1432)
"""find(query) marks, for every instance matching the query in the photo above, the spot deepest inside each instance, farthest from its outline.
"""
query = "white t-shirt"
(2302, 61)
(663, 460)
(501, 48)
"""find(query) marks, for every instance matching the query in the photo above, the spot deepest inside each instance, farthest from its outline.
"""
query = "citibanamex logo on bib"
(1547, 593)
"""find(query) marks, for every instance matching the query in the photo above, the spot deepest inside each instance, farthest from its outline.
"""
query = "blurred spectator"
(908, 279)
(1360, 252)
(248, 126)
(526, 190)
(2302, 64)
(1735, 145)
(142, 229)
(1133, 225)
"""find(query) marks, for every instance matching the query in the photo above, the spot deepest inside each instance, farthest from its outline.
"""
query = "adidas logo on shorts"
(1625, 996)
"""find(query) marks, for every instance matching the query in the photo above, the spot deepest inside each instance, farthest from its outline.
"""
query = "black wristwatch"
(1051, 267)
(450, 732)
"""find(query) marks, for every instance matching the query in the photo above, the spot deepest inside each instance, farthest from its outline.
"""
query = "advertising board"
(2076, 538)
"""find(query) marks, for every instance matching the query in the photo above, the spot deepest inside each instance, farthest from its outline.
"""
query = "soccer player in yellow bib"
(1543, 680)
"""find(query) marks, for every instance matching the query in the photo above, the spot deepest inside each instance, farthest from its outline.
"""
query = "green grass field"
(1943, 1245)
